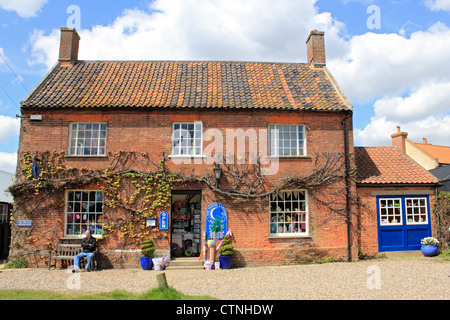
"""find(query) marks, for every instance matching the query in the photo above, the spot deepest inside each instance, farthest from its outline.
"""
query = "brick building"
(131, 148)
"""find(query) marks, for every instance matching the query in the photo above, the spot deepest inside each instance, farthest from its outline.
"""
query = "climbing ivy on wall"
(134, 194)
(136, 187)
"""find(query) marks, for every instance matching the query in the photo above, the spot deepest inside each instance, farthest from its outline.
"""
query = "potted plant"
(148, 251)
(226, 252)
(429, 246)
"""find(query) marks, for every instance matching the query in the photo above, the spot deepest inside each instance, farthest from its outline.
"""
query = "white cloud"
(436, 5)
(424, 113)
(388, 64)
(44, 49)
(9, 127)
(254, 30)
(406, 77)
(378, 131)
(430, 98)
(8, 162)
(24, 8)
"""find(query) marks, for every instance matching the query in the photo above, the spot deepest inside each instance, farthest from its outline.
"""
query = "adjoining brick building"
(131, 148)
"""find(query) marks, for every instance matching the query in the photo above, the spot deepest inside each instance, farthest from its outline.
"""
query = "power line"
(17, 77)
(9, 96)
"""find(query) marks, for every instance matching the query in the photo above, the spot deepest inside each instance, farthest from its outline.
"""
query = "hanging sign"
(164, 220)
(214, 211)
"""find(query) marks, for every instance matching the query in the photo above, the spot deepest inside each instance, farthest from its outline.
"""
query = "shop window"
(87, 139)
(287, 140)
(84, 210)
(288, 213)
(187, 138)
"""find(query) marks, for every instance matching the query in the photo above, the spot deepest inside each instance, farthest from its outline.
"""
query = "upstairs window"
(287, 140)
(187, 138)
(87, 139)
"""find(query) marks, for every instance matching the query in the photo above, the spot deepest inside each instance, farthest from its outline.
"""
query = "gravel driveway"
(399, 278)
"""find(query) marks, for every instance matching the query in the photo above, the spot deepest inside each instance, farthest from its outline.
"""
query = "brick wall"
(150, 131)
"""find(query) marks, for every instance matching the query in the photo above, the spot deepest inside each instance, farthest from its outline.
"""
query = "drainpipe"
(347, 188)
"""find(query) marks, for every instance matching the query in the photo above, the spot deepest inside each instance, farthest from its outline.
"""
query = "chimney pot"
(68, 47)
(315, 47)
(425, 141)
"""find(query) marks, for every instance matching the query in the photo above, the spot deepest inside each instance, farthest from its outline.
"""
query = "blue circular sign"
(35, 171)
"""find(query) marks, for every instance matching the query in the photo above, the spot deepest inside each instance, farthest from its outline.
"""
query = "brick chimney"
(315, 47)
(398, 140)
(424, 140)
(68, 47)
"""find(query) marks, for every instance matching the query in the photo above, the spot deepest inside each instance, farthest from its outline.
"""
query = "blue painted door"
(402, 222)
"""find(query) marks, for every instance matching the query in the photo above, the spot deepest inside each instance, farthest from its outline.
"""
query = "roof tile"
(194, 84)
(388, 165)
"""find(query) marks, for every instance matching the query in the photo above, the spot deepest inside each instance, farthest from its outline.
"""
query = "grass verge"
(153, 294)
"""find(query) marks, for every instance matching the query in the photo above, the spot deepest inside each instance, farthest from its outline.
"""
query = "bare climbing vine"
(136, 194)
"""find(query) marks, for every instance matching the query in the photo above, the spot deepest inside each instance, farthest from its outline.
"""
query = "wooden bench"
(67, 252)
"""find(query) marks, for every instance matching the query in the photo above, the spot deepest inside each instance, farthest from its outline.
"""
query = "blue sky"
(391, 58)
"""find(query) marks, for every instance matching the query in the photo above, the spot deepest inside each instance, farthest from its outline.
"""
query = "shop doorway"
(186, 223)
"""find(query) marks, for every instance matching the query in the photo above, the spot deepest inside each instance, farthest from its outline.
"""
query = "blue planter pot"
(146, 263)
(429, 251)
(226, 262)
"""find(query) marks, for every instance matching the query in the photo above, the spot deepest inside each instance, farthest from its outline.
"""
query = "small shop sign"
(24, 223)
(150, 222)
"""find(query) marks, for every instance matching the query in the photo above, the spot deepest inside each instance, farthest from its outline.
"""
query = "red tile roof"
(388, 165)
(441, 153)
(180, 84)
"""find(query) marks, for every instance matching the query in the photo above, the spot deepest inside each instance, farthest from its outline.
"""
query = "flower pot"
(146, 263)
(429, 251)
(226, 261)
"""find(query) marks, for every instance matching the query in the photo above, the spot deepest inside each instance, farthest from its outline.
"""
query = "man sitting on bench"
(88, 245)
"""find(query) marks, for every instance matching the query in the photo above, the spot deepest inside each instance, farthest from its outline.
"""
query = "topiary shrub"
(227, 248)
(148, 248)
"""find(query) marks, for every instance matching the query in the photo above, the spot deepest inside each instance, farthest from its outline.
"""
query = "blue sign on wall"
(163, 220)
(213, 211)
(35, 170)
(24, 223)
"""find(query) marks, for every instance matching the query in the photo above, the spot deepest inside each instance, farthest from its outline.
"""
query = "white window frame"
(286, 139)
(280, 225)
(77, 143)
(384, 217)
(183, 141)
(4, 213)
(85, 213)
(418, 211)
